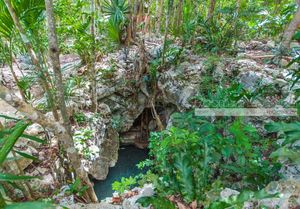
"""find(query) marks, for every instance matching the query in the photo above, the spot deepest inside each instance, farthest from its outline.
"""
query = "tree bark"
(292, 27)
(170, 6)
(159, 26)
(68, 141)
(211, 10)
(33, 56)
(129, 37)
(179, 16)
(93, 60)
(238, 6)
(55, 127)
(156, 16)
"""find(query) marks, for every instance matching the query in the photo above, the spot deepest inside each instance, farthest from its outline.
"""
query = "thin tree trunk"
(54, 126)
(93, 60)
(68, 141)
(211, 10)
(291, 29)
(238, 6)
(159, 25)
(179, 16)
(33, 56)
(147, 19)
(156, 16)
(129, 37)
(170, 6)
(134, 22)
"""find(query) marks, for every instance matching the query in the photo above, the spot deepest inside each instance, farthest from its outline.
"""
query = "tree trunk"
(68, 141)
(156, 16)
(211, 10)
(33, 56)
(291, 29)
(134, 18)
(160, 15)
(129, 37)
(58, 130)
(179, 16)
(170, 6)
(92, 70)
(238, 6)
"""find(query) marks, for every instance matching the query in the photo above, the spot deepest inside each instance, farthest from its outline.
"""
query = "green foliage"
(190, 155)
(76, 188)
(124, 184)
(25, 84)
(109, 73)
(9, 142)
(117, 10)
(31, 205)
(80, 118)
(117, 122)
(156, 202)
(289, 133)
(8, 139)
(237, 201)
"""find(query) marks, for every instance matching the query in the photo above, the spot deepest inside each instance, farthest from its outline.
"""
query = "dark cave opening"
(144, 124)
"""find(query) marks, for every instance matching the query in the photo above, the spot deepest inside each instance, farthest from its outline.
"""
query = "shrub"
(194, 153)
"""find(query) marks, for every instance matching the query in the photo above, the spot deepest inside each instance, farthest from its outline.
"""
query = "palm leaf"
(11, 177)
(23, 154)
(12, 139)
(31, 205)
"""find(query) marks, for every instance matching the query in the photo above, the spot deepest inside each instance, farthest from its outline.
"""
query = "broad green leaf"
(284, 152)
(11, 177)
(8, 117)
(23, 154)
(156, 202)
(12, 139)
(33, 138)
(31, 205)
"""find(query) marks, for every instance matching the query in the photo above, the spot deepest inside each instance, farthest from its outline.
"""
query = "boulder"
(146, 191)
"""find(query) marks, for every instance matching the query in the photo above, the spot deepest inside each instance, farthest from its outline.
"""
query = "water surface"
(129, 156)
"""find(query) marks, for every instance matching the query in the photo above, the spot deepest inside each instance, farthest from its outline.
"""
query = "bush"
(194, 153)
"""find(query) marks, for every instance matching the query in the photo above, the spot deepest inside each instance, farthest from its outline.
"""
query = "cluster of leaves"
(194, 153)
(84, 144)
(8, 139)
(76, 188)
(124, 184)
(117, 10)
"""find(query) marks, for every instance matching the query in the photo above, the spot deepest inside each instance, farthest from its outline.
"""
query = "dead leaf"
(181, 206)
(194, 204)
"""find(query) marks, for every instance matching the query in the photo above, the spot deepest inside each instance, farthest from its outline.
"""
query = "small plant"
(25, 84)
(8, 139)
(124, 184)
(76, 188)
(117, 122)
(80, 118)
(108, 73)
(83, 140)
(117, 10)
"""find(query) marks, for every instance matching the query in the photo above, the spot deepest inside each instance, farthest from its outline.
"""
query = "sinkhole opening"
(133, 148)
(145, 123)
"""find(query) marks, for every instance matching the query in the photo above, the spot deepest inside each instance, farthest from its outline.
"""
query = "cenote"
(129, 156)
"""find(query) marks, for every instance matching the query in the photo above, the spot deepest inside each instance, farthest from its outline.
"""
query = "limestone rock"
(289, 195)
(146, 191)
(227, 192)
(101, 205)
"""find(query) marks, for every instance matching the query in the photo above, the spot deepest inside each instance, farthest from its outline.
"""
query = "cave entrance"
(145, 123)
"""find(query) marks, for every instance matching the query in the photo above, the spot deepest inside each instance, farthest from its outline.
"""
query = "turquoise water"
(129, 156)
